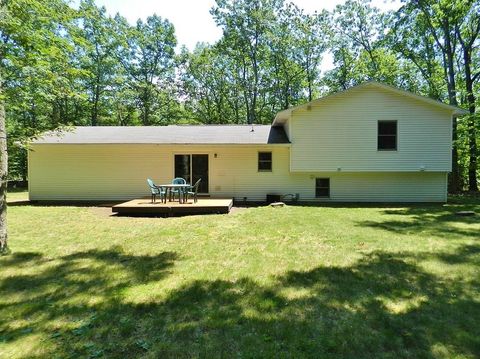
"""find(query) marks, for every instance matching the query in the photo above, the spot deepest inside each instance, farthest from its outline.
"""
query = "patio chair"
(193, 191)
(173, 191)
(156, 191)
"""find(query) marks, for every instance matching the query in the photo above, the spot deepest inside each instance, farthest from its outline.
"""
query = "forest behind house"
(77, 66)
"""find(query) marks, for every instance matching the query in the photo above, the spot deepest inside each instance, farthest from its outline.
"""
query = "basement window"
(387, 136)
(264, 161)
(322, 187)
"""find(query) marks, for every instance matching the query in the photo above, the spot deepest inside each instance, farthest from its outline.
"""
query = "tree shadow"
(465, 253)
(440, 221)
(384, 305)
(64, 288)
(17, 258)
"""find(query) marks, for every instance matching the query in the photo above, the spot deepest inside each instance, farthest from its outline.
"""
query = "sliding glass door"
(200, 170)
(182, 167)
(193, 167)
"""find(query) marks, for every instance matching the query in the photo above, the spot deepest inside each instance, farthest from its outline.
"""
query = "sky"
(193, 22)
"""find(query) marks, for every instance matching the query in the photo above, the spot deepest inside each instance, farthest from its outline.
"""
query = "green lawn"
(353, 282)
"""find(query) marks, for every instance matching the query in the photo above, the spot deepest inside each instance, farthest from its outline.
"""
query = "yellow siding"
(111, 172)
(342, 132)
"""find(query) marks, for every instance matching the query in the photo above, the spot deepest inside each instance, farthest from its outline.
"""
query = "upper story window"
(265, 161)
(387, 136)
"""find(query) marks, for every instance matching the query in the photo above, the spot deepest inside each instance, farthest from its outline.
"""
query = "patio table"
(181, 187)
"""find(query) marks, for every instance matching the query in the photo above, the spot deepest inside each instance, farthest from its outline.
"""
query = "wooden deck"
(146, 207)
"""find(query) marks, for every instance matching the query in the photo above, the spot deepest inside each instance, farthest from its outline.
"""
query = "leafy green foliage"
(271, 52)
(146, 52)
(95, 45)
(64, 66)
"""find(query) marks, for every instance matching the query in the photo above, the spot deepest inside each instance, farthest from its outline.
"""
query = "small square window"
(322, 187)
(387, 136)
(265, 161)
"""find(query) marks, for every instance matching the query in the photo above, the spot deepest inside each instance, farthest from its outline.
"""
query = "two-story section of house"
(373, 142)
(370, 143)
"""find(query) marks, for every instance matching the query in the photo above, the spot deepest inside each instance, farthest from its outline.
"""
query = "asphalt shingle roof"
(174, 134)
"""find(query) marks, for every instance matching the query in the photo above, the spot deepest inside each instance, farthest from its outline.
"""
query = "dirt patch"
(101, 211)
(234, 210)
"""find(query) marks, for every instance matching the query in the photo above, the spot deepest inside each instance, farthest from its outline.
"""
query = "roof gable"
(285, 114)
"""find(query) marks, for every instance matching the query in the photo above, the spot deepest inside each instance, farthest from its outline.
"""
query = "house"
(370, 143)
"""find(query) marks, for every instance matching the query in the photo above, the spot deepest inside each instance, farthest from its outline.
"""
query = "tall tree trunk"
(255, 94)
(3, 154)
(146, 107)
(469, 80)
(455, 179)
(472, 168)
(3, 179)
(96, 99)
(310, 87)
(447, 46)
(472, 135)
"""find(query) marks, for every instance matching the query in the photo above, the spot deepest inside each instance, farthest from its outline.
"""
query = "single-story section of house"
(370, 143)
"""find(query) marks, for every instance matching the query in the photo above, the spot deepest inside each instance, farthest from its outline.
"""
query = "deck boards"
(145, 206)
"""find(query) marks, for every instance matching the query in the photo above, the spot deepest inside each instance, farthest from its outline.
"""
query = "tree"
(207, 84)
(3, 178)
(272, 53)
(449, 31)
(94, 38)
(283, 74)
(309, 44)
(467, 31)
(296, 45)
(39, 77)
(361, 50)
(358, 25)
(411, 39)
(31, 39)
(3, 149)
(440, 19)
(245, 26)
(147, 54)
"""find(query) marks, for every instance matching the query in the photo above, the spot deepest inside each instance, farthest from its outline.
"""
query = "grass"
(344, 281)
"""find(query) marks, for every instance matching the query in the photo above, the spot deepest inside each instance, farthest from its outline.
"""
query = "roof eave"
(460, 112)
(163, 144)
(456, 111)
(282, 116)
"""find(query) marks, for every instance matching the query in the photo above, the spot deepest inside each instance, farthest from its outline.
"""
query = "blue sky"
(193, 22)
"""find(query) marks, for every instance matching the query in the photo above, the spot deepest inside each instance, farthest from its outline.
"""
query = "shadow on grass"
(434, 220)
(465, 253)
(382, 306)
(71, 288)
